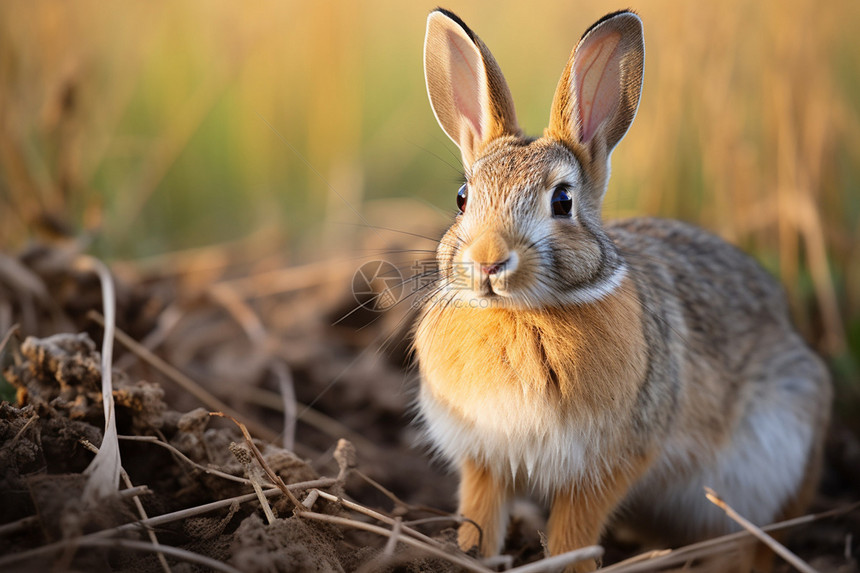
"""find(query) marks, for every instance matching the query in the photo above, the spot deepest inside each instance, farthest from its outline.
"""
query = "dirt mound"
(187, 463)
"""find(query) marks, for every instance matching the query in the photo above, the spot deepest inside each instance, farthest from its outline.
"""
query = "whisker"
(406, 316)
(455, 168)
(379, 295)
(450, 214)
(381, 228)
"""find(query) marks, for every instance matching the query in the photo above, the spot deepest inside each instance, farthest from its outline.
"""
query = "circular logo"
(377, 285)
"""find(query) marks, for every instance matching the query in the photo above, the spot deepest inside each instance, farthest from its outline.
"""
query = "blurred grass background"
(159, 126)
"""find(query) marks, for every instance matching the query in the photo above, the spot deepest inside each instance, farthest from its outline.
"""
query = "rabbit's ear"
(598, 94)
(467, 91)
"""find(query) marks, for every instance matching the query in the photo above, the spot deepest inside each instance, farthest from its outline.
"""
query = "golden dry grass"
(158, 126)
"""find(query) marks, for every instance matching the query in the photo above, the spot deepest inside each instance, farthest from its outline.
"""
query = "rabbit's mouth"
(486, 289)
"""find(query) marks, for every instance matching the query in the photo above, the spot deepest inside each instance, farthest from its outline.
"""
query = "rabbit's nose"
(492, 268)
(489, 253)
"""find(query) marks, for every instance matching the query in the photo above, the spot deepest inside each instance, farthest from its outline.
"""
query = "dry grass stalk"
(778, 547)
(176, 453)
(19, 525)
(378, 516)
(346, 457)
(264, 503)
(241, 312)
(273, 477)
(647, 556)
(104, 470)
(311, 498)
(13, 330)
(288, 399)
(391, 544)
(246, 459)
(20, 432)
(556, 562)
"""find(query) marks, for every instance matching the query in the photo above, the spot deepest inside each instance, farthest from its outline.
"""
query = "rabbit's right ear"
(468, 93)
(598, 94)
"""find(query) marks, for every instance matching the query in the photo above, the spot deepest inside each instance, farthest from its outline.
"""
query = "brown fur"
(604, 341)
(482, 500)
(578, 514)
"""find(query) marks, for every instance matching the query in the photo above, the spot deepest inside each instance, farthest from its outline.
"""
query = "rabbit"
(603, 368)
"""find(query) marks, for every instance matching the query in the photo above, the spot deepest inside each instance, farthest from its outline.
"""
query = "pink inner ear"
(596, 82)
(466, 83)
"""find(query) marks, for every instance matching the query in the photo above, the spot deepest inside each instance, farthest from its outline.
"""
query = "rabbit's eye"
(462, 195)
(562, 202)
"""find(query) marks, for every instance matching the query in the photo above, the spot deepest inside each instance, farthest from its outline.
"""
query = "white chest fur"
(520, 434)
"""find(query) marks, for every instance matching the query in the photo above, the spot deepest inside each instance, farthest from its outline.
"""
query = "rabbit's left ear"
(598, 94)
(467, 91)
